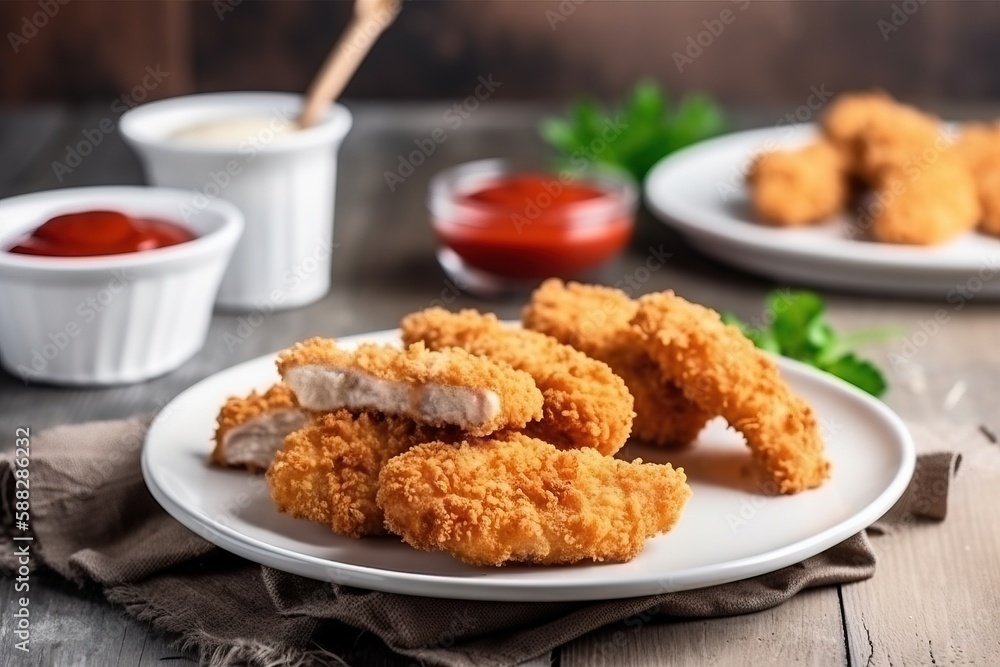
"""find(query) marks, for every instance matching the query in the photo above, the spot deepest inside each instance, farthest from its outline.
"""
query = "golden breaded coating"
(897, 140)
(328, 471)
(873, 130)
(439, 388)
(799, 187)
(585, 403)
(931, 205)
(924, 192)
(875, 133)
(597, 321)
(848, 115)
(720, 369)
(988, 186)
(250, 429)
(518, 499)
(979, 147)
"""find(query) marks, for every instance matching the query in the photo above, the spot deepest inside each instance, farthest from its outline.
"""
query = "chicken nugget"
(898, 140)
(979, 147)
(848, 115)
(799, 187)
(585, 403)
(597, 321)
(988, 187)
(518, 499)
(328, 471)
(926, 204)
(718, 368)
(437, 388)
(249, 430)
(874, 131)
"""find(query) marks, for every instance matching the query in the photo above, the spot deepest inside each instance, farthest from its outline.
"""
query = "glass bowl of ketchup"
(502, 226)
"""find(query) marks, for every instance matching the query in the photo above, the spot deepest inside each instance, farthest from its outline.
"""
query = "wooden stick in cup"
(370, 19)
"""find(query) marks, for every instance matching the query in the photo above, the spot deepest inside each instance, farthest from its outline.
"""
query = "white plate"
(700, 191)
(728, 531)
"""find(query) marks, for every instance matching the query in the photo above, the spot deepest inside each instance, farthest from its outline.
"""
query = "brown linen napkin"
(94, 522)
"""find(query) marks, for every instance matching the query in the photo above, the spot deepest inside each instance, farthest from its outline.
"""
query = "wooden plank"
(806, 630)
(143, 646)
(934, 597)
(541, 661)
(103, 50)
(74, 627)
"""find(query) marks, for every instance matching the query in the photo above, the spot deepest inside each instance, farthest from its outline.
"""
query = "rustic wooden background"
(768, 52)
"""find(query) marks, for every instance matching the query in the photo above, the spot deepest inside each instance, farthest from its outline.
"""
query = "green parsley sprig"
(638, 135)
(799, 329)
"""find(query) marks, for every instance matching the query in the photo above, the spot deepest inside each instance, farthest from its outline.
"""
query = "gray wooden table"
(935, 598)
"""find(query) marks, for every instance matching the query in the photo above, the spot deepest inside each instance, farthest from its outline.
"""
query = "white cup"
(284, 185)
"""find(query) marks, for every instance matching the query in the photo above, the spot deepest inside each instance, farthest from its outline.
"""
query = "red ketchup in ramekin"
(95, 233)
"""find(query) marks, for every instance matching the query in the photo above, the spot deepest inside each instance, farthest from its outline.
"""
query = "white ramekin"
(284, 186)
(117, 318)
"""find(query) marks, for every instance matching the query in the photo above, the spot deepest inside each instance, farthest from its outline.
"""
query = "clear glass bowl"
(500, 226)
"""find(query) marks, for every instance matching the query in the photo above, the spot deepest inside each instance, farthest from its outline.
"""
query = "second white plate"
(729, 530)
(700, 191)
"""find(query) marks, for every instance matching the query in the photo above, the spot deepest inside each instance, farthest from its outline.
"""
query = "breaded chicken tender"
(927, 204)
(988, 187)
(585, 403)
(875, 132)
(720, 369)
(518, 499)
(597, 321)
(848, 115)
(328, 471)
(892, 141)
(799, 187)
(249, 430)
(441, 388)
(924, 193)
(979, 147)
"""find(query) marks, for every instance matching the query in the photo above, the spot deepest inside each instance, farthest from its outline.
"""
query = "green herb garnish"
(796, 327)
(635, 137)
